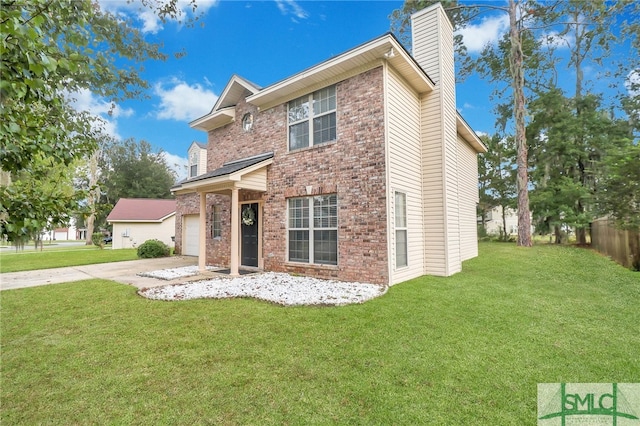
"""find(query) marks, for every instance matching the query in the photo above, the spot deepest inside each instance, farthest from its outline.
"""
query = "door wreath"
(248, 216)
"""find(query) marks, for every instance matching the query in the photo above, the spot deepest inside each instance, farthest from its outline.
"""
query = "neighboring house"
(493, 222)
(358, 168)
(136, 220)
(197, 155)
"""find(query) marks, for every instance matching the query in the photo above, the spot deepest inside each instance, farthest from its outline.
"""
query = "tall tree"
(496, 178)
(523, 18)
(568, 149)
(133, 170)
(51, 50)
(619, 192)
(586, 30)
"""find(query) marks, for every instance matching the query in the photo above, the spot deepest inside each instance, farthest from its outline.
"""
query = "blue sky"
(264, 42)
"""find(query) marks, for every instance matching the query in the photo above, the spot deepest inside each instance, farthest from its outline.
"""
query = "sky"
(263, 42)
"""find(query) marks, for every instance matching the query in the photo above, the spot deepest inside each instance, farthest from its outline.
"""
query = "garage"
(191, 235)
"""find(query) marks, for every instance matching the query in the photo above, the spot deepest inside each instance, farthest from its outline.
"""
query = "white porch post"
(202, 252)
(235, 233)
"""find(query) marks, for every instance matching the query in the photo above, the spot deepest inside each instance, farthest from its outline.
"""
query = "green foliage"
(496, 169)
(97, 238)
(568, 148)
(153, 248)
(619, 190)
(42, 198)
(131, 169)
(50, 51)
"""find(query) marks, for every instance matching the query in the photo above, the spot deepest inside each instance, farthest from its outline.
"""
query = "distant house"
(359, 168)
(136, 220)
(494, 224)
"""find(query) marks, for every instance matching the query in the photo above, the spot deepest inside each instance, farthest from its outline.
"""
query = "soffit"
(338, 68)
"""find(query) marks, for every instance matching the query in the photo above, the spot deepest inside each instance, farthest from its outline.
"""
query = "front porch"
(246, 180)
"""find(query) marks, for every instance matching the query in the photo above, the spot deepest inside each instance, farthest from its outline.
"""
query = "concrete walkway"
(123, 272)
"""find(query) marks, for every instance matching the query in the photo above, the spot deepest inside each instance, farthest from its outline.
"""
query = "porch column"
(202, 237)
(235, 233)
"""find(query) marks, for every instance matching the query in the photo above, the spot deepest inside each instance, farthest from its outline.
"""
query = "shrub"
(97, 239)
(153, 248)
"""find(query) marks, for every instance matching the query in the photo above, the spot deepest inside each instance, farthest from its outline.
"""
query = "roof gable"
(142, 210)
(223, 112)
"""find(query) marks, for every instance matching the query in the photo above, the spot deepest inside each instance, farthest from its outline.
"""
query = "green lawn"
(57, 258)
(468, 349)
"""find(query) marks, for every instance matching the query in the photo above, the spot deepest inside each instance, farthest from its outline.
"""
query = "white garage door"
(191, 243)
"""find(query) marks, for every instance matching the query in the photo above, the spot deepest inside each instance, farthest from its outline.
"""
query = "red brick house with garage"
(359, 168)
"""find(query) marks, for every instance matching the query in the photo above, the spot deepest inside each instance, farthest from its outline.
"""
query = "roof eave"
(215, 119)
(372, 53)
(469, 135)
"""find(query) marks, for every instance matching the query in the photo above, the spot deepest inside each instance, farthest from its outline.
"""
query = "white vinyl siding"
(468, 190)
(197, 160)
(433, 50)
(405, 174)
(132, 234)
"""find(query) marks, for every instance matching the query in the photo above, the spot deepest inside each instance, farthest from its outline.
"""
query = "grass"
(60, 257)
(468, 349)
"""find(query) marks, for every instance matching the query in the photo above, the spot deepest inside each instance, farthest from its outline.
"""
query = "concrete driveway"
(123, 272)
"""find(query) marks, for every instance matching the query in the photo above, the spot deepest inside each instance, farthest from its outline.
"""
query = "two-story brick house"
(358, 168)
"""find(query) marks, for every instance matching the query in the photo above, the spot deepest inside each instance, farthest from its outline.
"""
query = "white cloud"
(557, 40)
(488, 31)
(108, 113)
(291, 7)
(146, 15)
(177, 164)
(183, 102)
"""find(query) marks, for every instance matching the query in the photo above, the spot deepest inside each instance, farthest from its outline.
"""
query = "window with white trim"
(216, 223)
(401, 229)
(315, 125)
(193, 164)
(313, 229)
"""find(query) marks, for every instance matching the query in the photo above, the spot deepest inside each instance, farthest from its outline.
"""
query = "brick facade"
(353, 167)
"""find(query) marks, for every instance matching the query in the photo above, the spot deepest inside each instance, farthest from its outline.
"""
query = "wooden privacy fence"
(621, 246)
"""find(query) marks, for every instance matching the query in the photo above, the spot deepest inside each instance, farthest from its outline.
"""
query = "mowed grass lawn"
(29, 260)
(469, 349)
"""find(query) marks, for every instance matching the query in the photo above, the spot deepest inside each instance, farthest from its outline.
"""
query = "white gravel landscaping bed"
(280, 288)
(173, 273)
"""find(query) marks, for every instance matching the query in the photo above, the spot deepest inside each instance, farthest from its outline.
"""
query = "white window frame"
(311, 228)
(310, 101)
(216, 222)
(194, 159)
(401, 227)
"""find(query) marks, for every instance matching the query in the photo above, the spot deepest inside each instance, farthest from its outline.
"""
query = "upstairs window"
(313, 125)
(193, 164)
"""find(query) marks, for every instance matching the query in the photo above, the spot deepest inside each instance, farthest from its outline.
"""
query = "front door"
(249, 232)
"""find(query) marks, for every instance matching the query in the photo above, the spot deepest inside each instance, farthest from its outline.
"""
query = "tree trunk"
(504, 225)
(94, 194)
(515, 64)
(558, 233)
